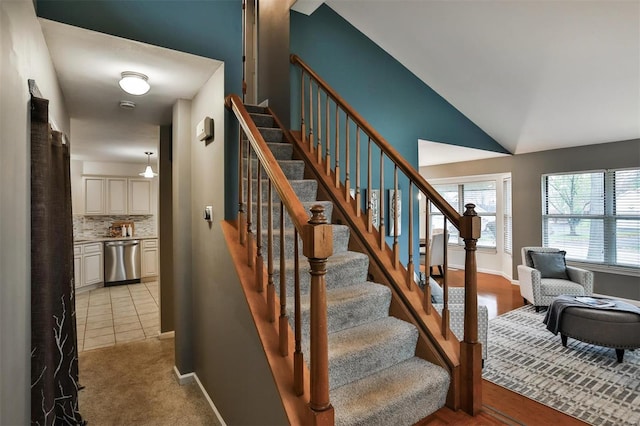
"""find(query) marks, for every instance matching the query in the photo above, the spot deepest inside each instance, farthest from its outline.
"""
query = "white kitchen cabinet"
(94, 195)
(77, 265)
(116, 196)
(149, 262)
(88, 261)
(139, 196)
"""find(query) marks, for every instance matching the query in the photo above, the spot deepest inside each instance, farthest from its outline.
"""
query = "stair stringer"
(406, 304)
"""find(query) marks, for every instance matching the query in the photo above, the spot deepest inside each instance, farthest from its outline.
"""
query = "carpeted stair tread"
(305, 189)
(340, 240)
(292, 169)
(399, 395)
(262, 120)
(271, 134)
(280, 150)
(343, 269)
(255, 109)
(349, 306)
(359, 351)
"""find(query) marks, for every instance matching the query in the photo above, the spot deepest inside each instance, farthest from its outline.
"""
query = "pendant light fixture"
(148, 171)
(134, 83)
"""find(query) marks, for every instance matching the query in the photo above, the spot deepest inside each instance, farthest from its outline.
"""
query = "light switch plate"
(208, 213)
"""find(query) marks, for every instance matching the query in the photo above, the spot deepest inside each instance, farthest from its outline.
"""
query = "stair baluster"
(298, 356)
(271, 289)
(358, 204)
(319, 131)
(369, 187)
(284, 319)
(347, 146)
(241, 214)
(259, 266)
(250, 239)
(327, 161)
(395, 203)
(336, 168)
(410, 267)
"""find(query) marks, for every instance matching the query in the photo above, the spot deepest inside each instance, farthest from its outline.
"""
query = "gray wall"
(273, 56)
(215, 335)
(165, 228)
(181, 250)
(527, 170)
(23, 55)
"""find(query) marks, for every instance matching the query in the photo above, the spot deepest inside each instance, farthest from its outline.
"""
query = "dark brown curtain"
(54, 355)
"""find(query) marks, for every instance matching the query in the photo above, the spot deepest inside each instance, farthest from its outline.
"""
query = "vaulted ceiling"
(534, 75)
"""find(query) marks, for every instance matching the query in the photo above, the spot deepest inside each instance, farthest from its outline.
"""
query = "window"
(594, 216)
(508, 221)
(483, 195)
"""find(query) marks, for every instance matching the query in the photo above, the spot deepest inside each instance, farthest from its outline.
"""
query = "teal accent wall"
(212, 29)
(398, 105)
(393, 100)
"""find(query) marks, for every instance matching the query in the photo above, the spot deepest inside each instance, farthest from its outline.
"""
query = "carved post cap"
(470, 224)
(317, 215)
(318, 235)
(470, 210)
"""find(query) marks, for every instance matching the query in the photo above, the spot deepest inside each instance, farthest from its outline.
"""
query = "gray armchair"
(540, 286)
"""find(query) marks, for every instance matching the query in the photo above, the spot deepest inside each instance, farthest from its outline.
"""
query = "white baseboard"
(185, 379)
(486, 271)
(264, 103)
(211, 404)
(166, 335)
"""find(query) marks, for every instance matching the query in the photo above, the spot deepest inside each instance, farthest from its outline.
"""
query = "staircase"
(374, 376)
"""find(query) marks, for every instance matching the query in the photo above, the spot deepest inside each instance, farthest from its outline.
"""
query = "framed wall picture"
(395, 209)
(374, 205)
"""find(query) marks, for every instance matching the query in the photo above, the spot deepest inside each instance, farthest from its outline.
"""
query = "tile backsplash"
(98, 226)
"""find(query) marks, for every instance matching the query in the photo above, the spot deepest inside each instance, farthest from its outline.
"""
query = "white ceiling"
(534, 75)
(88, 65)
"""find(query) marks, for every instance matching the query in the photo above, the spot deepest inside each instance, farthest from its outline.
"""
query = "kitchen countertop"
(82, 240)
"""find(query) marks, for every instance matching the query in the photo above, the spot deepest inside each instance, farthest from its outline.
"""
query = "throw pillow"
(437, 295)
(550, 264)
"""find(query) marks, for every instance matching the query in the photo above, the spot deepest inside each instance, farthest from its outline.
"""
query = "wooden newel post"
(318, 241)
(470, 348)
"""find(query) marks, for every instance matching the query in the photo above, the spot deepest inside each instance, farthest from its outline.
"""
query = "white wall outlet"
(204, 129)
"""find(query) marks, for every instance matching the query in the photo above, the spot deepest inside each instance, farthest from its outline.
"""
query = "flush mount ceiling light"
(148, 171)
(134, 83)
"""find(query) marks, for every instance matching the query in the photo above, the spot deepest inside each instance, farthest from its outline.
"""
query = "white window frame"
(609, 218)
(460, 180)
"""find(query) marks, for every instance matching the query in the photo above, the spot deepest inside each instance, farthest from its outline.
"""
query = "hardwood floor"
(500, 406)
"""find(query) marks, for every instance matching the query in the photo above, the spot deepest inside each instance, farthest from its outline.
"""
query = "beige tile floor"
(110, 315)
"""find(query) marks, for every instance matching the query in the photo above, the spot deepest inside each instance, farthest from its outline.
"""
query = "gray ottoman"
(613, 329)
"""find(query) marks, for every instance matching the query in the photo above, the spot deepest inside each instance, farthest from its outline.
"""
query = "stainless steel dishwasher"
(121, 262)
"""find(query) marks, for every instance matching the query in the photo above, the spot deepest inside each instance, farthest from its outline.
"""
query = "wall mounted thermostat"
(204, 129)
(208, 213)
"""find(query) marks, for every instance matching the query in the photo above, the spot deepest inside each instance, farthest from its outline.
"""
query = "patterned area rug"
(581, 380)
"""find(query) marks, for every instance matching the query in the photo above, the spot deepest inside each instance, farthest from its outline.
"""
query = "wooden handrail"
(468, 224)
(317, 246)
(281, 184)
(451, 214)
